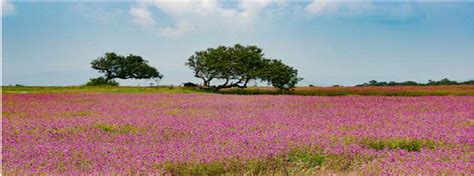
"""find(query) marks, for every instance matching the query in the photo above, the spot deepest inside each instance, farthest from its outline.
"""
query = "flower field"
(104, 133)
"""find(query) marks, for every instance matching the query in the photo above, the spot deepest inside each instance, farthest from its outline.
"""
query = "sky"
(343, 43)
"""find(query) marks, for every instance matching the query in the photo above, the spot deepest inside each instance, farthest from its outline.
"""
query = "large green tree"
(236, 66)
(125, 67)
(209, 64)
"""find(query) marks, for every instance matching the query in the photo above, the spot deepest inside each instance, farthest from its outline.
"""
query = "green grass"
(455, 90)
(410, 145)
(125, 129)
(100, 89)
(305, 158)
(298, 161)
(301, 161)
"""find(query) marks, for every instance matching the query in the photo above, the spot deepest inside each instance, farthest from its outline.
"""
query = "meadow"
(88, 131)
(458, 90)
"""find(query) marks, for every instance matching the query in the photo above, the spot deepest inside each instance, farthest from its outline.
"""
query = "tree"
(409, 83)
(124, 67)
(208, 65)
(280, 75)
(373, 82)
(232, 66)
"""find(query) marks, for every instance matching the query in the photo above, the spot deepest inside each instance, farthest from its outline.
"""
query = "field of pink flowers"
(91, 133)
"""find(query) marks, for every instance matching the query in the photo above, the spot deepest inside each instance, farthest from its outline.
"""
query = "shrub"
(468, 82)
(444, 81)
(189, 84)
(100, 81)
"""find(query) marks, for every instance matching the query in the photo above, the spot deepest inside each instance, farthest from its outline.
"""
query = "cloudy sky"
(329, 43)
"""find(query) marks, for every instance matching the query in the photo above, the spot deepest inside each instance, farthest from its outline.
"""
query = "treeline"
(444, 81)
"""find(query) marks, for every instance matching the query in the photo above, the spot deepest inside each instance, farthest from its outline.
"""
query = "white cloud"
(202, 15)
(142, 16)
(8, 8)
(382, 11)
(98, 12)
(177, 31)
(189, 15)
(327, 7)
(250, 8)
(377, 12)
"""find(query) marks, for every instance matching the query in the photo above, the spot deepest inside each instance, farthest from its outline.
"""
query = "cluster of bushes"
(101, 81)
(444, 81)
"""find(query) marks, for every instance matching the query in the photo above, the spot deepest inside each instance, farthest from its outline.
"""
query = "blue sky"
(329, 43)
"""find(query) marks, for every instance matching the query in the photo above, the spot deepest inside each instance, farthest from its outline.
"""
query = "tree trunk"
(245, 83)
(108, 75)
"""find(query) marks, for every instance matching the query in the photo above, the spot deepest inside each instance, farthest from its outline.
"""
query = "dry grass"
(367, 90)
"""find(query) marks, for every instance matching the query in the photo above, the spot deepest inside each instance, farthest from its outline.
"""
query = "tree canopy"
(280, 75)
(124, 67)
(237, 65)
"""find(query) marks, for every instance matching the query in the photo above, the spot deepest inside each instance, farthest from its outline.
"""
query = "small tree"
(280, 75)
(124, 67)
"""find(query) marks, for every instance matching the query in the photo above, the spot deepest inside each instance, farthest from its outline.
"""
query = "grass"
(410, 145)
(298, 161)
(457, 90)
(295, 162)
(125, 129)
(100, 89)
